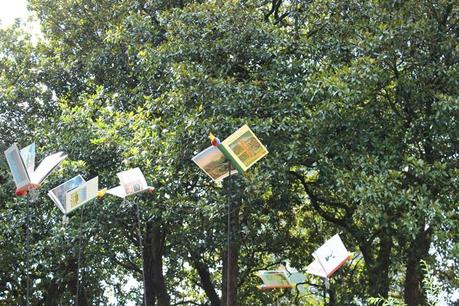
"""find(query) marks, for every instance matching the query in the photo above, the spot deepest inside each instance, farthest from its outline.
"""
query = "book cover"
(17, 167)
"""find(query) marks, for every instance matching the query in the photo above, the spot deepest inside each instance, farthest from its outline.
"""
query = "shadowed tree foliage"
(355, 101)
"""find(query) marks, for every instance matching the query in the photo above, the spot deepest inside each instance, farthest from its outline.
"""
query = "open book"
(242, 149)
(283, 277)
(74, 193)
(131, 182)
(329, 258)
(22, 166)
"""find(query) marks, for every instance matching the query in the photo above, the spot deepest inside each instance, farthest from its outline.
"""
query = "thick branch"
(315, 200)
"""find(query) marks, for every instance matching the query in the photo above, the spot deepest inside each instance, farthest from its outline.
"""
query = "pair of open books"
(242, 149)
(73, 193)
(76, 191)
(327, 260)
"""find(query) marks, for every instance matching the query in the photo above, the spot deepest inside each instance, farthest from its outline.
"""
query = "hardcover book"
(131, 182)
(242, 148)
(22, 167)
(74, 193)
(282, 278)
(329, 258)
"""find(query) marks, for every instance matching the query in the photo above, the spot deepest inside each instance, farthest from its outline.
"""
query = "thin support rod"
(28, 250)
(325, 292)
(139, 232)
(228, 264)
(79, 257)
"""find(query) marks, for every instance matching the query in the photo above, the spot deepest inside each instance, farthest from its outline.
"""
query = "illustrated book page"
(213, 163)
(81, 195)
(243, 148)
(274, 279)
(58, 194)
(132, 181)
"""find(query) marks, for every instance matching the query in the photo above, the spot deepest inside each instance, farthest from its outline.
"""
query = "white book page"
(117, 191)
(331, 254)
(132, 181)
(315, 268)
(28, 158)
(56, 201)
(47, 166)
(18, 170)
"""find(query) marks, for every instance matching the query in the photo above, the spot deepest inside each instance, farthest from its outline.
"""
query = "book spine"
(228, 156)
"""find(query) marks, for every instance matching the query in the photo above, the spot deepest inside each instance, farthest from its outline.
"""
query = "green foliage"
(356, 102)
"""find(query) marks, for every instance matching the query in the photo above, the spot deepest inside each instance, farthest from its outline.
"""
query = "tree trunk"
(155, 285)
(206, 282)
(230, 258)
(418, 250)
(72, 284)
(377, 266)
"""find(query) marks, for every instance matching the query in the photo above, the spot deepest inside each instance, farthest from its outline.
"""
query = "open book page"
(18, 170)
(132, 181)
(28, 158)
(331, 255)
(213, 163)
(46, 167)
(117, 191)
(82, 194)
(274, 279)
(58, 194)
(244, 147)
(294, 278)
(316, 269)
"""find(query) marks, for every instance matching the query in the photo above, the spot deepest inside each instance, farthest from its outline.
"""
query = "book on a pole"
(282, 278)
(22, 167)
(132, 181)
(74, 193)
(329, 258)
(242, 148)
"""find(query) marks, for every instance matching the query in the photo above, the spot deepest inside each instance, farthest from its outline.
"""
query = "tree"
(356, 103)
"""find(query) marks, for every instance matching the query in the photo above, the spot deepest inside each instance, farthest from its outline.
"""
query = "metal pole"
(28, 250)
(141, 252)
(79, 257)
(228, 264)
(325, 292)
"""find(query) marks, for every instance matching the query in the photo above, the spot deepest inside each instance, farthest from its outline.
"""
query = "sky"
(11, 9)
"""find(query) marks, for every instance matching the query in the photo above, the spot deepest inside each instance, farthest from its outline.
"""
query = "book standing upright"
(22, 166)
